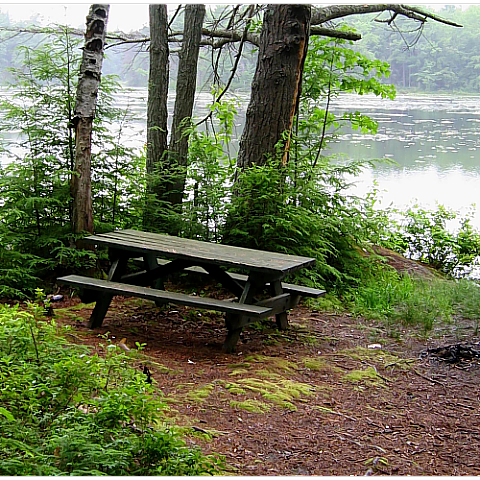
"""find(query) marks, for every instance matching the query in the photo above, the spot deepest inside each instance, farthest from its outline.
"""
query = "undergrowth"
(402, 300)
(67, 411)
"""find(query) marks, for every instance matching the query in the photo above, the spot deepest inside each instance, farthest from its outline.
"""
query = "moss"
(319, 364)
(298, 389)
(273, 363)
(239, 365)
(289, 406)
(362, 353)
(284, 365)
(282, 392)
(255, 358)
(238, 371)
(253, 406)
(277, 397)
(368, 376)
(235, 388)
(359, 375)
(200, 394)
(172, 400)
(268, 374)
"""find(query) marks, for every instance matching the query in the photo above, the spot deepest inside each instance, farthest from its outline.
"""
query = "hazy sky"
(124, 16)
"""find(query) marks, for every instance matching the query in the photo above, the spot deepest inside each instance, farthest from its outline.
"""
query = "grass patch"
(424, 304)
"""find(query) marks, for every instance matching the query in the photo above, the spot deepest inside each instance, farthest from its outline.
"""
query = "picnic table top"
(201, 252)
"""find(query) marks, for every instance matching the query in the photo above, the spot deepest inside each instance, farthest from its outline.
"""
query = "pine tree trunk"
(270, 115)
(276, 85)
(157, 114)
(86, 102)
(185, 96)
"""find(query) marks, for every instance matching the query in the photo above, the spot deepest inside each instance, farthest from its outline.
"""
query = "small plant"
(430, 237)
(66, 411)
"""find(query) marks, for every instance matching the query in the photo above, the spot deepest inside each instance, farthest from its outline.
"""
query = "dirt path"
(315, 400)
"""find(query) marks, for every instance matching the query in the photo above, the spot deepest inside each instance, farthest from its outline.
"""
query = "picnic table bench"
(259, 293)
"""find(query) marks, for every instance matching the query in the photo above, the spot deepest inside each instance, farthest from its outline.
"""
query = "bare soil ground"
(314, 400)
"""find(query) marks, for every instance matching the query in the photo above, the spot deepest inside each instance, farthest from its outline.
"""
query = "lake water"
(435, 142)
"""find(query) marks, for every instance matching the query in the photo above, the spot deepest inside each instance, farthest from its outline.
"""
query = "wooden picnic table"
(259, 292)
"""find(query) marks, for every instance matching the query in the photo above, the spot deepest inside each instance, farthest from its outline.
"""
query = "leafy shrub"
(65, 411)
(425, 235)
(35, 195)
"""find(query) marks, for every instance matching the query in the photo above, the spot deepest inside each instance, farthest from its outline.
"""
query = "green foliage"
(302, 207)
(278, 210)
(404, 300)
(209, 172)
(333, 67)
(35, 220)
(66, 411)
(429, 237)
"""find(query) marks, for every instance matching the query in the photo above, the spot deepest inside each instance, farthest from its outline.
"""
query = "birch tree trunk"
(86, 102)
(157, 114)
(276, 84)
(185, 96)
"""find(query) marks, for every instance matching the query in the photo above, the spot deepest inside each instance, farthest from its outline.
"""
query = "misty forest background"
(429, 60)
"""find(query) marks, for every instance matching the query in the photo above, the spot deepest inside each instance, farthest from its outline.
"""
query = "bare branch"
(218, 37)
(330, 32)
(235, 66)
(232, 36)
(324, 14)
(174, 16)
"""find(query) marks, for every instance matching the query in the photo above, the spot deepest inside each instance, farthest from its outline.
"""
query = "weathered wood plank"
(186, 249)
(115, 288)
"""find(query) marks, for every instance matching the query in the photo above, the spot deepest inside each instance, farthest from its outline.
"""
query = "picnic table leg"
(233, 321)
(281, 319)
(150, 262)
(117, 269)
(233, 335)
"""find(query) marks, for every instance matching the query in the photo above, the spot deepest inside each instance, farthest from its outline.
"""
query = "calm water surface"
(434, 142)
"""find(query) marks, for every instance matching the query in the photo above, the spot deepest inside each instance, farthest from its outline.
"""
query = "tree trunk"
(157, 114)
(186, 88)
(276, 85)
(86, 102)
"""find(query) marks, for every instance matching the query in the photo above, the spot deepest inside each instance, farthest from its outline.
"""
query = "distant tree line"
(428, 59)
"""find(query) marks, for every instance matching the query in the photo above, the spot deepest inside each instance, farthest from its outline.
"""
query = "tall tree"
(185, 96)
(87, 92)
(276, 84)
(157, 114)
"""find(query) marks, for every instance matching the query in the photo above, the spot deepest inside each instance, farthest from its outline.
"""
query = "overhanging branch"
(333, 12)
(330, 32)
(216, 38)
